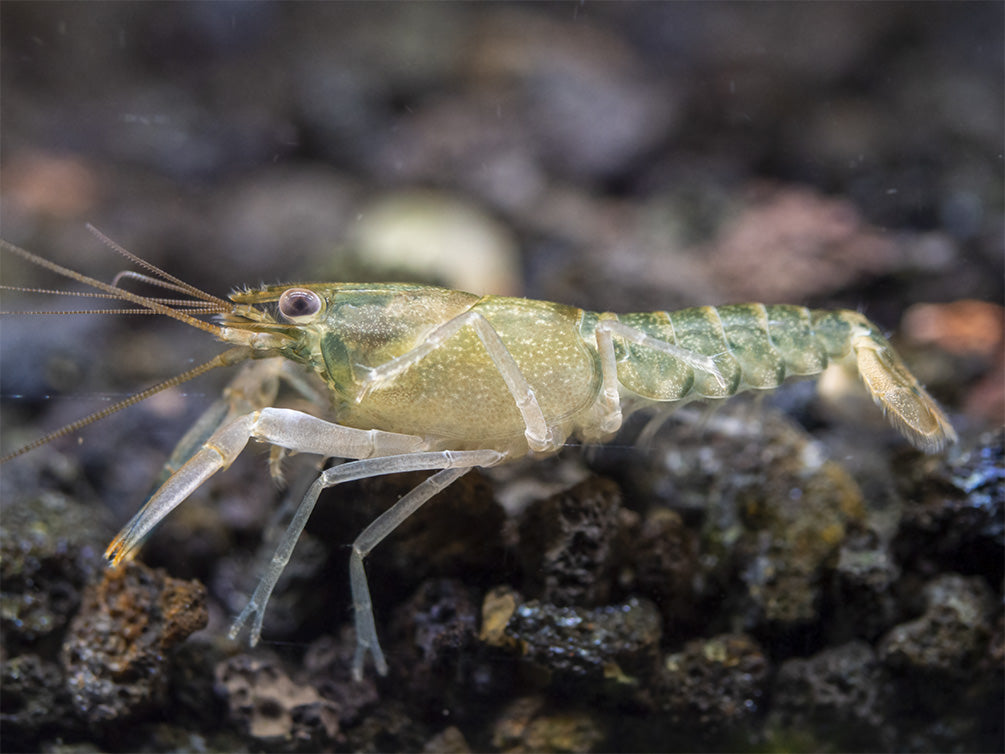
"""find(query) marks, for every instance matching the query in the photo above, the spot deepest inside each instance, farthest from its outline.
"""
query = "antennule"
(119, 292)
(181, 284)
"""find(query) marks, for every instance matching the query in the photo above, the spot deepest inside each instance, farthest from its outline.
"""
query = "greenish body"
(753, 346)
(456, 397)
(456, 392)
(423, 378)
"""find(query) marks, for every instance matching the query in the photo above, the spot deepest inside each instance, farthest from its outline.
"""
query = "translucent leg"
(284, 427)
(454, 464)
(694, 360)
(612, 419)
(366, 631)
(539, 436)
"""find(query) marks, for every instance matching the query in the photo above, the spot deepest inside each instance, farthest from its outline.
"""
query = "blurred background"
(618, 157)
(610, 156)
(613, 156)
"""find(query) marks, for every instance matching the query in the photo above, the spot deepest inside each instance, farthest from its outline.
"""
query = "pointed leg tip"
(116, 553)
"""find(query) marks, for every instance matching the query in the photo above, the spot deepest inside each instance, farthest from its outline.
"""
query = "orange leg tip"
(118, 559)
(116, 552)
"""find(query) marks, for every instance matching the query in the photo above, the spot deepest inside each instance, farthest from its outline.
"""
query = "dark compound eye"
(299, 303)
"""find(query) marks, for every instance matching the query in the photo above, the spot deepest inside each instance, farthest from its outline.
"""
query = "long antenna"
(181, 284)
(187, 304)
(119, 292)
(227, 358)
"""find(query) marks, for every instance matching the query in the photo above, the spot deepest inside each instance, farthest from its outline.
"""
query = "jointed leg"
(539, 436)
(286, 428)
(453, 463)
(609, 327)
(694, 360)
(371, 536)
(609, 370)
(254, 387)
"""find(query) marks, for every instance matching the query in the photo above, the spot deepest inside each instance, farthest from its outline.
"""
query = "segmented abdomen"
(758, 346)
(752, 345)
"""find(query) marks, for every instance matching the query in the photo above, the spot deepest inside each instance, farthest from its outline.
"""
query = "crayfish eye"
(299, 304)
